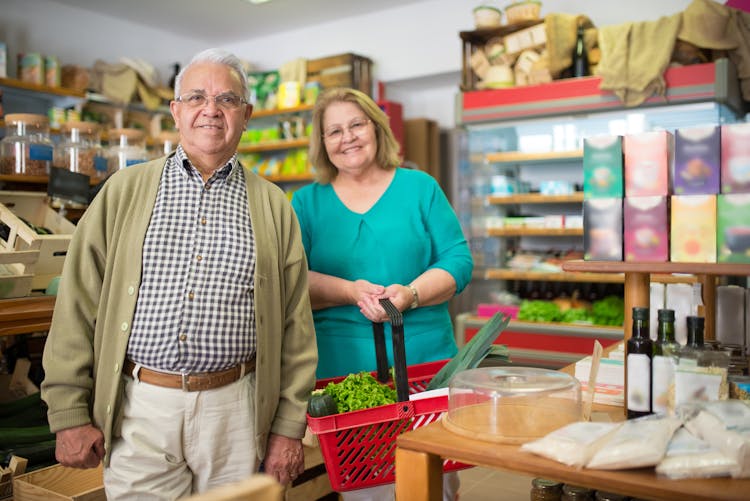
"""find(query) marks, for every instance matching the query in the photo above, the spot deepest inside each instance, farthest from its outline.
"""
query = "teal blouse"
(409, 230)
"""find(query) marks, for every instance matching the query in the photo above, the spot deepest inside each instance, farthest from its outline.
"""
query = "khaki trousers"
(176, 443)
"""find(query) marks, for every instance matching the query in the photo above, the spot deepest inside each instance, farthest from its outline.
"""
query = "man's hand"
(80, 447)
(285, 459)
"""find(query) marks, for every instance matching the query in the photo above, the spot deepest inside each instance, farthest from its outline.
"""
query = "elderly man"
(182, 350)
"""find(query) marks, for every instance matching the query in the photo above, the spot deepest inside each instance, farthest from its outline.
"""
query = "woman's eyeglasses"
(356, 127)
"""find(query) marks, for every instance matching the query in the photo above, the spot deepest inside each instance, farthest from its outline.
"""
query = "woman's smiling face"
(349, 137)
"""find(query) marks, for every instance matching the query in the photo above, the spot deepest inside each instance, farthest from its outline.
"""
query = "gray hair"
(219, 56)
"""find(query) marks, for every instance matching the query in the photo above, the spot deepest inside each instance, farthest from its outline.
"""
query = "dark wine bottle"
(580, 66)
(639, 355)
(690, 354)
(666, 350)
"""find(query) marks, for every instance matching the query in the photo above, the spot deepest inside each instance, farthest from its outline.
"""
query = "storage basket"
(359, 447)
(527, 10)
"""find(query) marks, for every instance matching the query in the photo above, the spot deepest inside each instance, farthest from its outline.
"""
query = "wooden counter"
(419, 470)
(26, 315)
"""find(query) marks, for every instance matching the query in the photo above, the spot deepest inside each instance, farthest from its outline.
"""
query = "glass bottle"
(26, 148)
(580, 66)
(80, 150)
(639, 354)
(126, 147)
(545, 490)
(690, 354)
(666, 349)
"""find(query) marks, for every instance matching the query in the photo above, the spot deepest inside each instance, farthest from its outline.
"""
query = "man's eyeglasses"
(226, 101)
(356, 127)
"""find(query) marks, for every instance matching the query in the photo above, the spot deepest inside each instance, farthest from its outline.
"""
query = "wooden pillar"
(708, 292)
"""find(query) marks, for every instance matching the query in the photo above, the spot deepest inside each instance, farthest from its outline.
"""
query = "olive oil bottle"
(639, 355)
(666, 351)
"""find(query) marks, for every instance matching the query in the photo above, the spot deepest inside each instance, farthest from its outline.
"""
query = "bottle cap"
(666, 315)
(640, 313)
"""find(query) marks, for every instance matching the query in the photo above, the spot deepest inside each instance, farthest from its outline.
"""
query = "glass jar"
(166, 142)
(545, 490)
(126, 147)
(610, 496)
(80, 150)
(576, 493)
(26, 148)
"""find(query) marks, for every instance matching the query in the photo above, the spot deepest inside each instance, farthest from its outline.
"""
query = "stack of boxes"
(661, 196)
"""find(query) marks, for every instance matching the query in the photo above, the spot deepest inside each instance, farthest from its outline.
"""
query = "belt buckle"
(185, 381)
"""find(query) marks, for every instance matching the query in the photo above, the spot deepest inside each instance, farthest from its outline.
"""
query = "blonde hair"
(387, 155)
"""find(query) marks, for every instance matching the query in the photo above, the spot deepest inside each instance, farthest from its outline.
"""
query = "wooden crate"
(60, 483)
(313, 483)
(16, 266)
(342, 70)
(34, 207)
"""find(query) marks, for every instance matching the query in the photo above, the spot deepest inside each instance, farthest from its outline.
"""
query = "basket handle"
(399, 350)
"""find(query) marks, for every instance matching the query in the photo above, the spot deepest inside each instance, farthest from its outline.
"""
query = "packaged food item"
(80, 150)
(545, 490)
(576, 493)
(573, 444)
(690, 457)
(26, 148)
(31, 68)
(126, 147)
(52, 71)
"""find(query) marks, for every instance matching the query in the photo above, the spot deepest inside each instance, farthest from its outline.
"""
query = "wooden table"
(420, 453)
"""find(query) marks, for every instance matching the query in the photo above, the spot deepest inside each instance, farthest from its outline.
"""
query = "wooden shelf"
(19, 178)
(534, 232)
(290, 178)
(534, 198)
(44, 89)
(716, 269)
(273, 146)
(516, 157)
(286, 111)
(26, 315)
(569, 276)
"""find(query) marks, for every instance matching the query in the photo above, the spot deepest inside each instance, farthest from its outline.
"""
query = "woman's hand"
(399, 295)
(361, 289)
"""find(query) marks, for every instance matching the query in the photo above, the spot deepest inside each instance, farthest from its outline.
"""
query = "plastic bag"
(573, 444)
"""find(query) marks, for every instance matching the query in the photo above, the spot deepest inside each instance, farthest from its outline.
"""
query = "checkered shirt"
(195, 310)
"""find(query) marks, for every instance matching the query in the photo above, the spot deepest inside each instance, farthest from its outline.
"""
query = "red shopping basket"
(359, 447)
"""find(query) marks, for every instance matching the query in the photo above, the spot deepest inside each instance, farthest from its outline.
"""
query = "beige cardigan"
(87, 342)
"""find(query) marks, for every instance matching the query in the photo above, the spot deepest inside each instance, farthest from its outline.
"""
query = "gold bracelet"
(415, 301)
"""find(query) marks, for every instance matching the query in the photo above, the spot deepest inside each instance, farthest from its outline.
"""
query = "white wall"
(416, 48)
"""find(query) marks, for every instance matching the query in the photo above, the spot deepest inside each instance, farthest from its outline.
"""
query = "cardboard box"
(602, 229)
(602, 167)
(733, 228)
(60, 483)
(33, 207)
(646, 224)
(697, 161)
(422, 145)
(735, 158)
(647, 160)
(693, 229)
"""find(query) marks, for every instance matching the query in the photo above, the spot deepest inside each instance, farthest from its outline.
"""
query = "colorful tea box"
(646, 224)
(697, 161)
(602, 167)
(733, 228)
(693, 228)
(602, 229)
(648, 156)
(735, 158)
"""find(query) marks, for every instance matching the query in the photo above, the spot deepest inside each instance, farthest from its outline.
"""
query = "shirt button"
(183, 337)
(191, 295)
(124, 326)
(131, 290)
(199, 257)
(109, 409)
(203, 220)
(117, 368)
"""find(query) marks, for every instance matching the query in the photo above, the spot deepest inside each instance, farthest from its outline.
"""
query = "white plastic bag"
(573, 444)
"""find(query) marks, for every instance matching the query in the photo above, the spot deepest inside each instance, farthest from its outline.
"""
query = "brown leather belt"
(191, 382)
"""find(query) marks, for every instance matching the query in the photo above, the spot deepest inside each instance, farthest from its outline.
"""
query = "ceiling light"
(257, 1)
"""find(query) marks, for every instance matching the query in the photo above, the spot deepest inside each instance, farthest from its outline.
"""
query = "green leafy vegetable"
(539, 311)
(360, 391)
(608, 311)
(472, 353)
